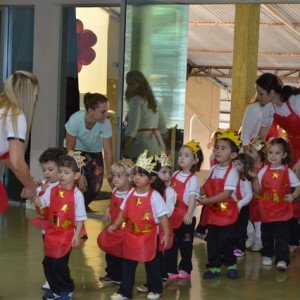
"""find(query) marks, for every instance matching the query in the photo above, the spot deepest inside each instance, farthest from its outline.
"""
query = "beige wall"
(203, 100)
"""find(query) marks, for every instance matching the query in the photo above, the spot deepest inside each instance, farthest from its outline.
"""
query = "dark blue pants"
(114, 267)
(241, 229)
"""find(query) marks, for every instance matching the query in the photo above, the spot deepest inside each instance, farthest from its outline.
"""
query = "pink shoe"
(173, 276)
(183, 275)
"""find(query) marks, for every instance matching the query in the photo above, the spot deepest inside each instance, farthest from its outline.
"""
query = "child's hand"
(76, 241)
(44, 186)
(37, 181)
(252, 174)
(111, 228)
(166, 240)
(106, 218)
(288, 198)
(187, 219)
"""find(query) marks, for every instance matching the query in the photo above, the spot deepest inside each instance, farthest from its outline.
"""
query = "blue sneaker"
(212, 273)
(232, 273)
(50, 296)
(66, 296)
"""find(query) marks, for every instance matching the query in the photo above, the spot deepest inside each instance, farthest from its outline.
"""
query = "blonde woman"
(17, 104)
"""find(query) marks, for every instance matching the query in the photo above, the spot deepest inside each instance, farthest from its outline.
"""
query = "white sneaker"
(116, 296)
(153, 296)
(250, 240)
(257, 246)
(281, 265)
(267, 261)
(45, 286)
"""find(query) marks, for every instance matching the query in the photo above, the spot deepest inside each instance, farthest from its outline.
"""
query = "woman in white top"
(145, 121)
(17, 103)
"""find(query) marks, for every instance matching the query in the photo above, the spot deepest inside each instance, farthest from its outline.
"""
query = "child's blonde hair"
(123, 166)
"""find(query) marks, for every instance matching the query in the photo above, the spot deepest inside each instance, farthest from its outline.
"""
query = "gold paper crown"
(232, 135)
(257, 143)
(165, 159)
(80, 159)
(127, 163)
(145, 163)
(193, 145)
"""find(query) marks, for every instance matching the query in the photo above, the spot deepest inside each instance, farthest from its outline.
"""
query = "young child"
(48, 161)
(142, 209)
(62, 228)
(121, 172)
(256, 150)
(274, 183)
(200, 231)
(221, 212)
(186, 184)
(243, 164)
(165, 165)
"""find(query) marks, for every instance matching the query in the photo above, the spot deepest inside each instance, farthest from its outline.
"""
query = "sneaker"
(46, 286)
(50, 296)
(200, 236)
(267, 261)
(232, 272)
(183, 275)
(257, 246)
(212, 273)
(250, 240)
(142, 288)
(238, 253)
(116, 296)
(153, 296)
(107, 279)
(66, 296)
(281, 265)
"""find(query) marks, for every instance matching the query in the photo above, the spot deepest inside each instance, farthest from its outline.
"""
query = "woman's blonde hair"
(19, 95)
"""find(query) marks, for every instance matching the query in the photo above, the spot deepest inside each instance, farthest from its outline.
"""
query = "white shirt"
(246, 192)
(7, 132)
(80, 212)
(170, 199)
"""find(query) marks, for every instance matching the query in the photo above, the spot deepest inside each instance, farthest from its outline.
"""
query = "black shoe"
(106, 279)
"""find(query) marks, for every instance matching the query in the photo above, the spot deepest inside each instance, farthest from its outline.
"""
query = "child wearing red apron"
(112, 243)
(142, 210)
(62, 227)
(186, 184)
(275, 204)
(221, 212)
(257, 150)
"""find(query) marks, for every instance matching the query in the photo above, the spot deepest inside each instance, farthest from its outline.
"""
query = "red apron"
(180, 208)
(140, 235)
(112, 243)
(222, 213)
(3, 195)
(253, 205)
(275, 185)
(61, 225)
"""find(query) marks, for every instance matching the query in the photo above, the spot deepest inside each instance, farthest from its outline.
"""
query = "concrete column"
(244, 68)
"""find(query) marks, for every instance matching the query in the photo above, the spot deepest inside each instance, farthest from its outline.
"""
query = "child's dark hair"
(68, 162)
(52, 154)
(286, 149)
(157, 184)
(234, 148)
(199, 155)
(248, 163)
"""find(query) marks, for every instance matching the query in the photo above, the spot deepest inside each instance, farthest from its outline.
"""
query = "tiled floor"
(21, 273)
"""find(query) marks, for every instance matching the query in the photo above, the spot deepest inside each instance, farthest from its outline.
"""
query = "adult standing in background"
(145, 121)
(17, 104)
(90, 132)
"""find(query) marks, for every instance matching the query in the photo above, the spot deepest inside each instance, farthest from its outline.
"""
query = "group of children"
(151, 217)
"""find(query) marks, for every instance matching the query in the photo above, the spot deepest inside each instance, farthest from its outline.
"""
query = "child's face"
(141, 180)
(165, 174)
(223, 152)
(67, 177)
(50, 171)
(275, 155)
(186, 158)
(238, 165)
(120, 180)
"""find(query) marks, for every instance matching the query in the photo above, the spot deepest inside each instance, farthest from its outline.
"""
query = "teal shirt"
(86, 139)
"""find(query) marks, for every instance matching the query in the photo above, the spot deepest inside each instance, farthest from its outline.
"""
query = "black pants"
(294, 232)
(275, 240)
(220, 240)
(241, 229)
(57, 273)
(200, 228)
(114, 267)
(154, 282)
(183, 241)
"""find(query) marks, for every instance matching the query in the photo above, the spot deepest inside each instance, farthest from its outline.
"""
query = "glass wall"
(156, 45)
